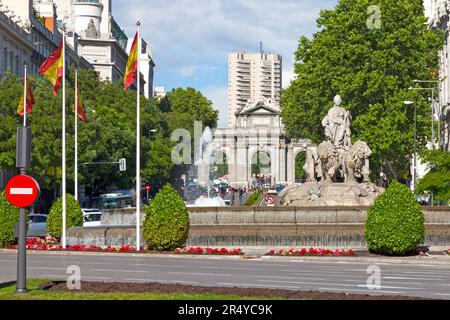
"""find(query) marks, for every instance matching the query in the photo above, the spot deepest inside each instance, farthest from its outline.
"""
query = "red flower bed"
(209, 251)
(312, 252)
(51, 244)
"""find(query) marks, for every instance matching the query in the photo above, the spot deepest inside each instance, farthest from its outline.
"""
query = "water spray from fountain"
(207, 152)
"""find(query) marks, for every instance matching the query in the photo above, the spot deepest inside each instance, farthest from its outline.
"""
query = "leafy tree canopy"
(372, 69)
(437, 180)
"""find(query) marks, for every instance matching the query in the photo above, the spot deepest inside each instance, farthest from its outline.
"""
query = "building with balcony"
(438, 13)
(252, 77)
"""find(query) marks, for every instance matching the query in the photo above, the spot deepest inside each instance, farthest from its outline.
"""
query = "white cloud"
(191, 39)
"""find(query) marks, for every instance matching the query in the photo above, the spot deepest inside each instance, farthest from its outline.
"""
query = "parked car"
(280, 187)
(92, 217)
(37, 225)
(227, 202)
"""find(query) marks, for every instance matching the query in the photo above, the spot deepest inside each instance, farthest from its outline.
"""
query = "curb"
(442, 260)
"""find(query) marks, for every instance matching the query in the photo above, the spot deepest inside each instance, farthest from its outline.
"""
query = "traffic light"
(123, 165)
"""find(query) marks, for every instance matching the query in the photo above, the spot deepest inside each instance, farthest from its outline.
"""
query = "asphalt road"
(430, 281)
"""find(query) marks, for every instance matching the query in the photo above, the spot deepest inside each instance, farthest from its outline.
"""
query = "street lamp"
(432, 114)
(437, 82)
(408, 103)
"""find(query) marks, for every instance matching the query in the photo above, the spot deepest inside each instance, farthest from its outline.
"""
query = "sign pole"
(25, 95)
(23, 160)
(21, 286)
(138, 143)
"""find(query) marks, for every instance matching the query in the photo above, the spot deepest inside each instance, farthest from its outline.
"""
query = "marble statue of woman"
(337, 125)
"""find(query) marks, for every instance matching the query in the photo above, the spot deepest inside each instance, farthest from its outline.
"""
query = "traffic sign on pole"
(22, 191)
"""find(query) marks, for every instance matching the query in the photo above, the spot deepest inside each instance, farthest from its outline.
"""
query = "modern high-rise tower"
(253, 77)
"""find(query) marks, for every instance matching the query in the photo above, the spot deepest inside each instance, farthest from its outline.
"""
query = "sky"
(191, 39)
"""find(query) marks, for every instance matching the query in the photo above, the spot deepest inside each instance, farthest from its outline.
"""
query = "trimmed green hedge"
(166, 225)
(395, 223)
(9, 217)
(254, 198)
(74, 216)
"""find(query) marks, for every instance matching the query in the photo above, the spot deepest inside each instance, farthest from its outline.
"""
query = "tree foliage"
(395, 223)
(74, 216)
(437, 180)
(9, 217)
(372, 70)
(166, 225)
(109, 134)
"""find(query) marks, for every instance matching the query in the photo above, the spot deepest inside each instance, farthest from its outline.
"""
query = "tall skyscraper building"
(253, 77)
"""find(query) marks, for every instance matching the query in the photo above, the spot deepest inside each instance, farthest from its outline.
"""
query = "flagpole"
(138, 142)
(76, 135)
(25, 94)
(64, 140)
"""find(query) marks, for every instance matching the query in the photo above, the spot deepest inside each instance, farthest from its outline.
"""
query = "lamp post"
(432, 115)
(414, 173)
(436, 82)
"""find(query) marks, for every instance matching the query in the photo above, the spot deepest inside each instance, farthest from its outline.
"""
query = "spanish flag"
(30, 101)
(80, 110)
(52, 68)
(132, 64)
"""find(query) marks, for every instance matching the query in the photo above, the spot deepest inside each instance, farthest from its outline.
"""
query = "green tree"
(166, 225)
(9, 217)
(395, 223)
(372, 69)
(74, 216)
(437, 180)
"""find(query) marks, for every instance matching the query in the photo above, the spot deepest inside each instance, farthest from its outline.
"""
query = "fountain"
(337, 170)
(207, 150)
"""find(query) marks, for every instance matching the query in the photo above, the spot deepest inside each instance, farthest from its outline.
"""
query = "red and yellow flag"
(30, 101)
(80, 110)
(132, 64)
(52, 68)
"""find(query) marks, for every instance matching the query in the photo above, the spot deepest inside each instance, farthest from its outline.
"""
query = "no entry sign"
(22, 191)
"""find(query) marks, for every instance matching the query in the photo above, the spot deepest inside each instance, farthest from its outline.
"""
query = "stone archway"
(261, 167)
(220, 165)
(300, 160)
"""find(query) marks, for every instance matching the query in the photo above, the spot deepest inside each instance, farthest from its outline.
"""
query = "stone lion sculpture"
(357, 162)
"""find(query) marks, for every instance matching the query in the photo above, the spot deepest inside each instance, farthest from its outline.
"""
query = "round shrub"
(9, 217)
(166, 224)
(395, 223)
(74, 216)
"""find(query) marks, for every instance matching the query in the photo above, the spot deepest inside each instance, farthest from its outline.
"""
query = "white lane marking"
(225, 268)
(66, 276)
(7, 260)
(155, 265)
(338, 285)
(21, 191)
(442, 294)
(395, 282)
(405, 278)
(357, 290)
(254, 285)
(275, 277)
(111, 270)
(305, 275)
(202, 274)
(160, 281)
(47, 268)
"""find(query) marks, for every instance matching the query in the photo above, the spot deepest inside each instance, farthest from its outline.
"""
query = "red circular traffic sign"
(147, 187)
(22, 191)
(270, 200)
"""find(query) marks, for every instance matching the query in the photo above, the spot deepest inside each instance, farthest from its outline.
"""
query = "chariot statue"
(337, 171)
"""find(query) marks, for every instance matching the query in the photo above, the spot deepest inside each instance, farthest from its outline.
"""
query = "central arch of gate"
(258, 143)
